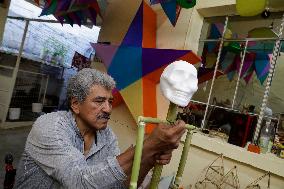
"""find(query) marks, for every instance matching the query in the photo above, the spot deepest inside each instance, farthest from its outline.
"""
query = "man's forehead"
(103, 97)
(97, 91)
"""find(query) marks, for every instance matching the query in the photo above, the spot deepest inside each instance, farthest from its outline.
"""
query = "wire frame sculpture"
(255, 184)
(214, 177)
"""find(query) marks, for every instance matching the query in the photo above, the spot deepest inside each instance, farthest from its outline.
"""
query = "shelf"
(272, 163)
(15, 124)
(7, 67)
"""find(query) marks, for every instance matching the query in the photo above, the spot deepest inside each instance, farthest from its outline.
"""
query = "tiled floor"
(11, 141)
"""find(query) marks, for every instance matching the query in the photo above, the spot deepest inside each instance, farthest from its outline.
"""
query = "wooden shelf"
(7, 67)
(272, 163)
(9, 125)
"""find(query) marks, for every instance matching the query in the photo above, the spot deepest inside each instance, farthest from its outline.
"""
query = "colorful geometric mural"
(136, 65)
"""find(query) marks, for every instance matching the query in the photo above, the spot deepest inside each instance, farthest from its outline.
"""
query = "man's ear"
(75, 105)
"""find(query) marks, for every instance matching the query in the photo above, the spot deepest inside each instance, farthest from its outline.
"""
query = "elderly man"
(76, 148)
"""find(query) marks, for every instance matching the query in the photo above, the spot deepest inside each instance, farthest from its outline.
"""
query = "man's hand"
(157, 148)
(164, 158)
(164, 139)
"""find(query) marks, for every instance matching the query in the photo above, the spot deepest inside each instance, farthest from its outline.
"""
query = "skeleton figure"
(178, 82)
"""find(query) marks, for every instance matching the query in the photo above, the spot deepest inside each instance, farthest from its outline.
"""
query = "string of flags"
(72, 11)
(172, 8)
(257, 59)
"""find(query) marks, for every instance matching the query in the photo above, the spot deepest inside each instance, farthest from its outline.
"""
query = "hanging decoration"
(262, 66)
(136, 64)
(228, 65)
(261, 32)
(79, 61)
(172, 8)
(266, 13)
(250, 7)
(72, 11)
(256, 59)
(254, 62)
(263, 46)
(216, 31)
(187, 3)
(248, 66)
(206, 74)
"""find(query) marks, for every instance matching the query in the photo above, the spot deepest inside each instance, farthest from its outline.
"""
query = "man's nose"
(107, 107)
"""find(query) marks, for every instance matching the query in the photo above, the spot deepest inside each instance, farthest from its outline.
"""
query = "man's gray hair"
(79, 85)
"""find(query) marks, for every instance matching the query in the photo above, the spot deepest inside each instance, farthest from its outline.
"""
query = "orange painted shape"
(155, 75)
(192, 58)
(149, 102)
(254, 148)
(149, 27)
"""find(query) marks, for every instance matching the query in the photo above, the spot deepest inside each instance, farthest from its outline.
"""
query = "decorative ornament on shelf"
(187, 3)
(266, 13)
(250, 7)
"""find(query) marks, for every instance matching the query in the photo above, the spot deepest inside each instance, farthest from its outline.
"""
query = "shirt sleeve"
(53, 152)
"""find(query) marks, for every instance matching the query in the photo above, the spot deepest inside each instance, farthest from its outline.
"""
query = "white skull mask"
(178, 82)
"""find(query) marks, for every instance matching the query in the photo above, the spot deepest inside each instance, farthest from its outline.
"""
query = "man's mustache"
(104, 116)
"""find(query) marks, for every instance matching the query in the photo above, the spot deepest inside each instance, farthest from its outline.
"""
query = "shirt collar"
(101, 140)
(74, 124)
